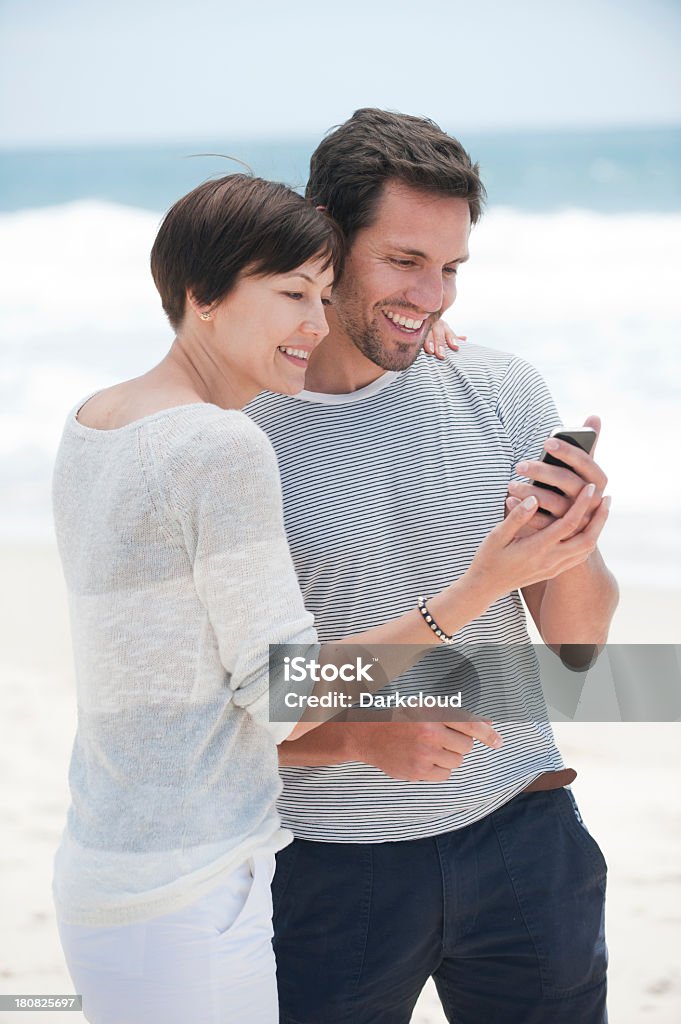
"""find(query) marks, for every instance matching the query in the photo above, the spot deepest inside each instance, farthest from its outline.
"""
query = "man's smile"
(404, 324)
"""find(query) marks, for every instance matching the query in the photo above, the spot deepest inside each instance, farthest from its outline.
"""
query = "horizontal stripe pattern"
(388, 493)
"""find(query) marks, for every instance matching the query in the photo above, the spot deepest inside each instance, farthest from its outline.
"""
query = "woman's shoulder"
(173, 409)
(215, 466)
(201, 445)
(204, 428)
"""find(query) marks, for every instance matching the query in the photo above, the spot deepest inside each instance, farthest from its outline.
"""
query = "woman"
(170, 529)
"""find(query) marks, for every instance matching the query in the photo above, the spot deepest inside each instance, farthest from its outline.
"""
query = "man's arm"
(577, 606)
(412, 751)
(328, 744)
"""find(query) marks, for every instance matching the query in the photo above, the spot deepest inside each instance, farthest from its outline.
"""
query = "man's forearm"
(331, 743)
(577, 607)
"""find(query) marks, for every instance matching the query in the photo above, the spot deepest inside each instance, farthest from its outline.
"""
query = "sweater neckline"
(85, 431)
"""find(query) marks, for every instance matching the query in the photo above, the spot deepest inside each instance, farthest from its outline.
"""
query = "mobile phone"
(581, 437)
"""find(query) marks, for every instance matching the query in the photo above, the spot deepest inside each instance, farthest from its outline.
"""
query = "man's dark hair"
(231, 226)
(351, 165)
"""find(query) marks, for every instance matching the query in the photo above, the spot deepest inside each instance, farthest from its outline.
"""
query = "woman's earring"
(205, 316)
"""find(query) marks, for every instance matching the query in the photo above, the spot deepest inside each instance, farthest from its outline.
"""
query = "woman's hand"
(506, 560)
(440, 338)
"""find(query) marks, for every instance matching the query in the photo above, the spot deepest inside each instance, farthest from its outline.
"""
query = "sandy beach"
(628, 790)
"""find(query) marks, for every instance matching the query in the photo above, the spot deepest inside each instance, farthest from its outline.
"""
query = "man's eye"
(450, 270)
(403, 263)
(326, 302)
(294, 295)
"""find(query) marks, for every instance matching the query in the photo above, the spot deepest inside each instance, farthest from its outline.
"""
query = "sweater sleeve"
(224, 485)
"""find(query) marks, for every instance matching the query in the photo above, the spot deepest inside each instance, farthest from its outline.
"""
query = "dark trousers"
(506, 914)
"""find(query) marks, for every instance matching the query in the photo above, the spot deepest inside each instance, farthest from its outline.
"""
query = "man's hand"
(406, 750)
(418, 751)
(440, 338)
(583, 470)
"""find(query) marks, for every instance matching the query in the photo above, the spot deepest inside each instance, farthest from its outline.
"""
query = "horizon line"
(74, 143)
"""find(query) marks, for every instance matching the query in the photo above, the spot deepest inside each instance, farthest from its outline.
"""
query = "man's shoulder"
(494, 372)
(473, 360)
(268, 405)
(477, 368)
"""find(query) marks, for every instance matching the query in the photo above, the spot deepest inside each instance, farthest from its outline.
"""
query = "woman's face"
(266, 328)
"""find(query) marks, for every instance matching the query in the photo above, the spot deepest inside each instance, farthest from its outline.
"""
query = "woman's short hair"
(232, 226)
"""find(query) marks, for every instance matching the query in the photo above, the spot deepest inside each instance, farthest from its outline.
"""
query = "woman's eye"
(294, 295)
(326, 302)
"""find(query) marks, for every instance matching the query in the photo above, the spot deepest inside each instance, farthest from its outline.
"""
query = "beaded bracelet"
(430, 621)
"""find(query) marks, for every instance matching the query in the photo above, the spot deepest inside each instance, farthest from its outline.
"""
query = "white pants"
(211, 962)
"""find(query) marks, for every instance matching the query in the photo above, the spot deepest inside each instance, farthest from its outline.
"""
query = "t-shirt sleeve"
(242, 567)
(526, 408)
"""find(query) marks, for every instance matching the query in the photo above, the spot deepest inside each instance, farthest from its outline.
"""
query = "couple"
(421, 848)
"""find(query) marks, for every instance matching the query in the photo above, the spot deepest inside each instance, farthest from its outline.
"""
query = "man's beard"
(368, 339)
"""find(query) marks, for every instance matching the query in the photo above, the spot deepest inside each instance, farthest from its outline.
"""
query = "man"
(411, 859)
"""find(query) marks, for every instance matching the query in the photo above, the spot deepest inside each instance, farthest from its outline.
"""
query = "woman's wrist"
(460, 603)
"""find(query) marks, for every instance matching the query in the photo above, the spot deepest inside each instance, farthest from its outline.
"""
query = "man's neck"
(337, 367)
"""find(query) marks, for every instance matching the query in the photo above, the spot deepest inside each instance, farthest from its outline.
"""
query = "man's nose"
(426, 291)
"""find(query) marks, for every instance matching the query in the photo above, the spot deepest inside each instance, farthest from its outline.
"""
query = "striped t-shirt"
(388, 492)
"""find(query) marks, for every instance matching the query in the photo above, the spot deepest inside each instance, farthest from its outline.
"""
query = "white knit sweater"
(178, 571)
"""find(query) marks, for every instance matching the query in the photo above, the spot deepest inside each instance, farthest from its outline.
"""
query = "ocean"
(575, 266)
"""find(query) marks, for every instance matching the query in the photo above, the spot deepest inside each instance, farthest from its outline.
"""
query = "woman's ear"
(203, 312)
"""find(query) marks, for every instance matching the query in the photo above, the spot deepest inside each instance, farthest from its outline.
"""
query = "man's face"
(402, 267)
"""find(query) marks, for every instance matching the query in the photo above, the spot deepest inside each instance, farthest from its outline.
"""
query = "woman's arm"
(504, 562)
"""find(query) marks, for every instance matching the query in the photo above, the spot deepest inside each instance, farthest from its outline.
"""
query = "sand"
(628, 790)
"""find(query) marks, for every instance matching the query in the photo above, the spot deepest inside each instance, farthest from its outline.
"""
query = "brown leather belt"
(551, 780)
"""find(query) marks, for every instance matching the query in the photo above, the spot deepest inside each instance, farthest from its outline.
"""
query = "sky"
(89, 72)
